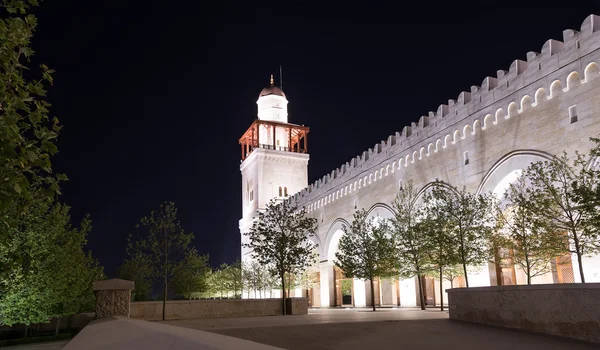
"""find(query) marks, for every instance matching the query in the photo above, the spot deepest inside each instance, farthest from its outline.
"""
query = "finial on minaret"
(272, 81)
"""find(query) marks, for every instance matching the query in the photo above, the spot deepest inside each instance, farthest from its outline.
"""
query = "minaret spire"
(272, 81)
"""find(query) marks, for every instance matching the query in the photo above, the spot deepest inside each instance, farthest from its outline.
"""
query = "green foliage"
(139, 268)
(48, 272)
(366, 250)
(280, 239)
(441, 248)
(530, 241)
(470, 222)
(159, 249)
(565, 194)
(27, 132)
(191, 274)
(232, 275)
(411, 245)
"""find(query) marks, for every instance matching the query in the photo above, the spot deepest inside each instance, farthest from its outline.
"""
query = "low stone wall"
(188, 309)
(568, 310)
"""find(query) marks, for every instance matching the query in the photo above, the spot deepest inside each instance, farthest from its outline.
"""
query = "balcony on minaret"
(276, 136)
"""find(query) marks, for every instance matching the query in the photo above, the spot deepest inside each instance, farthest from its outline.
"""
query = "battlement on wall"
(467, 107)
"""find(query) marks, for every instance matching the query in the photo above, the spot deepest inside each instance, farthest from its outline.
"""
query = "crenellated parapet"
(557, 68)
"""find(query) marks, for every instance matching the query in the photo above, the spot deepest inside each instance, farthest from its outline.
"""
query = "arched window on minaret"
(285, 192)
(280, 191)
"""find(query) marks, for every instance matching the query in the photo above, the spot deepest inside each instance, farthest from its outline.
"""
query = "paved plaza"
(385, 329)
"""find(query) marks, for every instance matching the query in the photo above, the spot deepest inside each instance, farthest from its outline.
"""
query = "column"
(327, 284)
(252, 140)
(305, 142)
(274, 136)
(290, 139)
(257, 135)
(360, 295)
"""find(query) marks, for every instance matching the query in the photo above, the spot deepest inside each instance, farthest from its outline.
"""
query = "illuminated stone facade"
(539, 108)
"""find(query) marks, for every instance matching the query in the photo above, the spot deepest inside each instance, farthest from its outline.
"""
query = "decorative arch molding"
(380, 208)
(334, 232)
(515, 160)
(424, 189)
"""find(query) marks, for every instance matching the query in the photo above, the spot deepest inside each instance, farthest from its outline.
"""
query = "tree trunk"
(165, 291)
(26, 328)
(466, 276)
(421, 297)
(580, 263)
(57, 326)
(441, 291)
(283, 292)
(451, 283)
(372, 294)
(578, 251)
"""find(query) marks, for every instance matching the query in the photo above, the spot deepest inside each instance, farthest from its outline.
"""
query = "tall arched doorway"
(503, 271)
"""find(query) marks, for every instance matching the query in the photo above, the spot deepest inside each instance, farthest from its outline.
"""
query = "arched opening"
(503, 270)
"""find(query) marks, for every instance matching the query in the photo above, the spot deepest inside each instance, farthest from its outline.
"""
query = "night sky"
(154, 95)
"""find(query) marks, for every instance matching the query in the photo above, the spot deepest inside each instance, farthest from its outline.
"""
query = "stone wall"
(188, 309)
(568, 310)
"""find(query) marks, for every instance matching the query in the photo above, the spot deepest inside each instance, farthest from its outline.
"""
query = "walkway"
(331, 329)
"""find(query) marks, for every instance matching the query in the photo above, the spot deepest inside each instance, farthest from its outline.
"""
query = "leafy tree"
(256, 277)
(441, 252)
(191, 274)
(470, 219)
(218, 281)
(280, 239)
(366, 251)
(411, 244)
(233, 278)
(27, 132)
(165, 244)
(48, 273)
(565, 194)
(529, 236)
(140, 268)
(450, 273)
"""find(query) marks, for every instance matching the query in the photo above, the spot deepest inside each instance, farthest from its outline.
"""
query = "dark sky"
(154, 95)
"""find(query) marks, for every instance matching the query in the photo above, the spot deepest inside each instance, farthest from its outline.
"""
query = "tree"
(450, 273)
(191, 274)
(528, 235)
(441, 252)
(470, 219)
(565, 194)
(233, 278)
(280, 239)
(166, 243)
(366, 251)
(218, 280)
(48, 273)
(411, 244)
(27, 132)
(140, 268)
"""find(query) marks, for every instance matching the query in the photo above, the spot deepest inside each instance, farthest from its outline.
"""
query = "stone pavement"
(331, 329)
(54, 345)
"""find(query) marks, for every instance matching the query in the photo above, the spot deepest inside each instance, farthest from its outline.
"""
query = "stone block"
(296, 306)
(113, 297)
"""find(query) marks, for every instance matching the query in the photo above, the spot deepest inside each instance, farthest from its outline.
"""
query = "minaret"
(274, 162)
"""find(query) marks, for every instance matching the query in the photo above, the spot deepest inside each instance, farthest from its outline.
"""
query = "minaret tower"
(274, 161)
